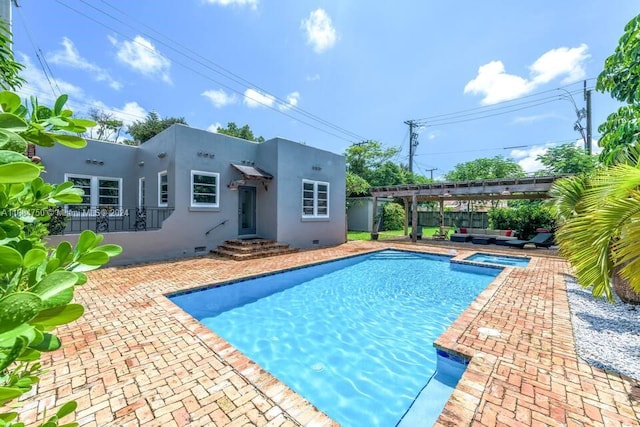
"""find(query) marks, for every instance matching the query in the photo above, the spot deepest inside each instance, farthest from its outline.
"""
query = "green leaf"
(83, 123)
(25, 330)
(10, 259)
(94, 257)
(34, 257)
(18, 308)
(9, 101)
(18, 172)
(52, 265)
(7, 394)
(111, 250)
(57, 121)
(59, 315)
(13, 123)
(8, 156)
(54, 283)
(86, 241)
(29, 355)
(70, 141)
(11, 228)
(58, 300)
(50, 342)
(12, 141)
(63, 251)
(67, 409)
(82, 278)
(59, 105)
(12, 355)
(9, 416)
(40, 138)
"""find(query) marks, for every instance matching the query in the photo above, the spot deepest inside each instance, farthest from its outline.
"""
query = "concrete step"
(252, 249)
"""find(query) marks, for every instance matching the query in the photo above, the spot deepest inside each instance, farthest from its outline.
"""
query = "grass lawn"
(365, 235)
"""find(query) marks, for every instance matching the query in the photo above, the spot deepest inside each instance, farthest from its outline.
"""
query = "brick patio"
(134, 358)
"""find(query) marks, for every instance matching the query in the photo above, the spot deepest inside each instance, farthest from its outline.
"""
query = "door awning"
(252, 173)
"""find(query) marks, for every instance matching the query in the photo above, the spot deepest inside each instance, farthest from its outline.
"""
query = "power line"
(208, 77)
(566, 141)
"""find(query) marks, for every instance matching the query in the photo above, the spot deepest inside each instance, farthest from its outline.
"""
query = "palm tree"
(599, 232)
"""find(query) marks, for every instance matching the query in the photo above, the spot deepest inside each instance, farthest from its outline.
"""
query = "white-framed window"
(100, 192)
(315, 199)
(163, 189)
(205, 189)
(142, 199)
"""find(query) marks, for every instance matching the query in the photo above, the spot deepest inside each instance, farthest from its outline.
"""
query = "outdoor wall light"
(506, 192)
(162, 154)
(141, 163)
(447, 194)
(94, 162)
(316, 167)
(203, 154)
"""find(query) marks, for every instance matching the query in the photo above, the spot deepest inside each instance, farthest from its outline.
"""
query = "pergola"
(489, 189)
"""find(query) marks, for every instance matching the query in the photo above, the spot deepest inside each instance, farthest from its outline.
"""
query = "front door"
(246, 210)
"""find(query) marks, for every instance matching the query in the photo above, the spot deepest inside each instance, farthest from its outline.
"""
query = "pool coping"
(131, 334)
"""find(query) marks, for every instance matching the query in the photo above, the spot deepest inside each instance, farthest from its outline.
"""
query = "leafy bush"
(36, 282)
(524, 216)
(392, 216)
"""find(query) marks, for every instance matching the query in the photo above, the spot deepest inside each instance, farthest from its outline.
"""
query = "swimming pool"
(507, 261)
(354, 336)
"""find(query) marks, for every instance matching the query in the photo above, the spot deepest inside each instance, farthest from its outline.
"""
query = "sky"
(480, 78)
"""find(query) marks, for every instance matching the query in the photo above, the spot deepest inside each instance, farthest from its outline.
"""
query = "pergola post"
(406, 215)
(374, 225)
(442, 217)
(414, 218)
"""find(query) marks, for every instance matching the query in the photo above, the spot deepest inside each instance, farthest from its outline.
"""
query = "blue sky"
(479, 76)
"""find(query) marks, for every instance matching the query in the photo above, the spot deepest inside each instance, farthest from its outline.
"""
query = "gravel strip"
(607, 335)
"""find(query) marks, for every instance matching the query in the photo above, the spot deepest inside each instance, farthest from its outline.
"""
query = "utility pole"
(413, 141)
(431, 172)
(587, 98)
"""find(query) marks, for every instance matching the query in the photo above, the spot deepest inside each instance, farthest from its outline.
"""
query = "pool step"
(240, 250)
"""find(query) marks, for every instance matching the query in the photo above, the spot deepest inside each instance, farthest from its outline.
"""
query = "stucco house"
(186, 191)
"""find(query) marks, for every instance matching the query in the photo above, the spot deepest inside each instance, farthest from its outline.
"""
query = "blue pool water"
(508, 261)
(354, 336)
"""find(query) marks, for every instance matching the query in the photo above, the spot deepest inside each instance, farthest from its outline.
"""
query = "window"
(163, 189)
(204, 189)
(141, 193)
(99, 192)
(315, 199)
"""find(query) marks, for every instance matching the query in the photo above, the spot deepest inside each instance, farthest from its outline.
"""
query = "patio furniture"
(437, 235)
(483, 240)
(544, 240)
(418, 229)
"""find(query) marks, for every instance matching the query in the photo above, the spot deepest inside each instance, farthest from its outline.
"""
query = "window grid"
(204, 189)
(163, 189)
(99, 192)
(315, 199)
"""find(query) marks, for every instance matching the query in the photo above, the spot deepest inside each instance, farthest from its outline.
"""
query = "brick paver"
(134, 358)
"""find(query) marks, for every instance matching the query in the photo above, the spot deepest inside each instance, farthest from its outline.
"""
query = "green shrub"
(392, 216)
(523, 216)
(36, 282)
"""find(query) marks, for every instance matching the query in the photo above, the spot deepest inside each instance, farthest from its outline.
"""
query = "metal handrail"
(216, 226)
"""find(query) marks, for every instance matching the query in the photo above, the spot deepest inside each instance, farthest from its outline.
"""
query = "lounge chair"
(418, 229)
(544, 240)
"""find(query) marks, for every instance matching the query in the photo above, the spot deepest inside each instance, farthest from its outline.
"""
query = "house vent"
(316, 242)
(199, 249)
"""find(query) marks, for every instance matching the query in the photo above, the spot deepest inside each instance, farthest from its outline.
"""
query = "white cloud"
(527, 158)
(69, 56)
(313, 78)
(39, 86)
(496, 85)
(321, 34)
(254, 99)
(219, 98)
(253, 4)
(142, 56)
(564, 61)
(214, 127)
(292, 101)
(129, 113)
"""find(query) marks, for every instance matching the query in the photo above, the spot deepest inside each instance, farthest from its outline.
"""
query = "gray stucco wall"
(295, 163)
(359, 213)
(279, 203)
